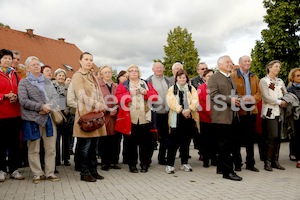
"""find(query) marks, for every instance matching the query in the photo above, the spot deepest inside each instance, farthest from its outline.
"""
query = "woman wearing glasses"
(37, 97)
(134, 118)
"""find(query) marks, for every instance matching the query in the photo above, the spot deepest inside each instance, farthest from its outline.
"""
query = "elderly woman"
(37, 97)
(294, 78)
(10, 121)
(109, 146)
(182, 100)
(135, 97)
(89, 99)
(272, 89)
(63, 131)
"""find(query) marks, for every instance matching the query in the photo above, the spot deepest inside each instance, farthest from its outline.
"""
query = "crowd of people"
(220, 111)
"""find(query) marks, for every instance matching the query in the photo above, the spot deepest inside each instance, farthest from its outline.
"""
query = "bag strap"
(95, 84)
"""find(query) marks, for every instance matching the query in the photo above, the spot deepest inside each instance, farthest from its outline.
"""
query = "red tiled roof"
(51, 52)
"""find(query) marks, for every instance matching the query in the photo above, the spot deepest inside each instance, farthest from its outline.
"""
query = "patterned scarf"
(38, 82)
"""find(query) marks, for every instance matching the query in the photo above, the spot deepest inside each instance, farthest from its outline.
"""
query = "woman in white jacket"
(272, 89)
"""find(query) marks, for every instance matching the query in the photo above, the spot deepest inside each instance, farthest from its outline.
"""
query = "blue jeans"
(87, 149)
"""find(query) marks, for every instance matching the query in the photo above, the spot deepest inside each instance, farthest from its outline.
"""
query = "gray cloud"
(120, 33)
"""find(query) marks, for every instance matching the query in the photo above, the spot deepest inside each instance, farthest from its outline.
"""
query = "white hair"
(29, 59)
(177, 63)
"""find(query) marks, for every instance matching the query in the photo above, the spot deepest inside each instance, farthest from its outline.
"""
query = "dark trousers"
(247, 133)
(163, 133)
(179, 138)
(109, 149)
(296, 139)
(225, 136)
(271, 133)
(208, 142)
(139, 144)
(63, 136)
(10, 143)
(87, 150)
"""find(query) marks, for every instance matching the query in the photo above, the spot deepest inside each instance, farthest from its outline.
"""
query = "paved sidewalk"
(202, 183)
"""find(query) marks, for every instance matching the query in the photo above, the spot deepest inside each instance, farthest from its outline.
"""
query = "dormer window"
(69, 68)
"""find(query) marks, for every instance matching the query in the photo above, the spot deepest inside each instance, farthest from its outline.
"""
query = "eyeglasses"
(203, 69)
(35, 64)
(132, 71)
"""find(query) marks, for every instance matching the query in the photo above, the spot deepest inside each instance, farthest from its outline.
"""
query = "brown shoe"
(88, 178)
(38, 179)
(97, 176)
(53, 178)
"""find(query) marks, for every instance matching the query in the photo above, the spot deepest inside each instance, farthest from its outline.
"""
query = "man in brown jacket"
(224, 106)
(247, 84)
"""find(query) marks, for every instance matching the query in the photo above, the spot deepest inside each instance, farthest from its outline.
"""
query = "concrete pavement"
(202, 183)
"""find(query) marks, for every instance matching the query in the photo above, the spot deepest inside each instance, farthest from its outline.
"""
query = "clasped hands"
(186, 112)
(137, 91)
(12, 97)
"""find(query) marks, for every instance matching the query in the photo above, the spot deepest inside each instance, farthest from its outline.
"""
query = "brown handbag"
(91, 121)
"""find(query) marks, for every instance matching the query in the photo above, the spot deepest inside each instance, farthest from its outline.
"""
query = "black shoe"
(55, 171)
(276, 165)
(105, 167)
(133, 169)
(67, 163)
(232, 176)
(97, 176)
(238, 168)
(87, 178)
(77, 169)
(115, 166)
(144, 169)
(205, 165)
(71, 152)
(252, 168)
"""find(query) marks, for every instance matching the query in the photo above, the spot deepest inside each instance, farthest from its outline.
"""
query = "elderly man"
(198, 80)
(224, 116)
(175, 68)
(161, 84)
(248, 88)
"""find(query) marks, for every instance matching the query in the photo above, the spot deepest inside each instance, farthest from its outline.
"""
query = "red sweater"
(9, 84)
(204, 114)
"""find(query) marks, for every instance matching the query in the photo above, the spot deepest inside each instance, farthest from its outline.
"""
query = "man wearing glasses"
(198, 80)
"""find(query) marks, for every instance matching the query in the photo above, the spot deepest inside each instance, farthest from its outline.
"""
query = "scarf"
(297, 85)
(60, 89)
(7, 70)
(38, 82)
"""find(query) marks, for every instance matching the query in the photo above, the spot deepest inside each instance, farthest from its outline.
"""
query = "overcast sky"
(119, 33)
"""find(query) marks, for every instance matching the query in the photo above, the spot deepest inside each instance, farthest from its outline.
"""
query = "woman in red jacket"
(208, 140)
(134, 118)
(10, 120)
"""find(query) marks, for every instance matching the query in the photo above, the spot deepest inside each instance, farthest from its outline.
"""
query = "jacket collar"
(239, 73)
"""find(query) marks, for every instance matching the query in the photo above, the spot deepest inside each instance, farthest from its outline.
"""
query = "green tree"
(180, 48)
(280, 41)
(3, 25)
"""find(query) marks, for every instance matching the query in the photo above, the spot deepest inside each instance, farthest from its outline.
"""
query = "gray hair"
(200, 63)
(220, 60)
(157, 63)
(177, 63)
(29, 59)
(15, 52)
(241, 58)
